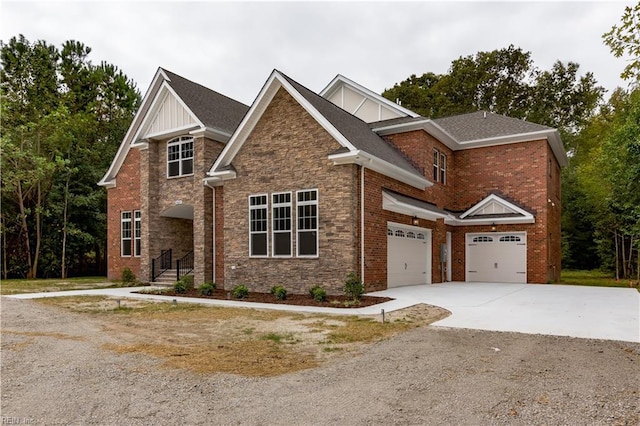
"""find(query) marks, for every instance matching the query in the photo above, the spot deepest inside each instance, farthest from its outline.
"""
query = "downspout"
(362, 223)
(213, 237)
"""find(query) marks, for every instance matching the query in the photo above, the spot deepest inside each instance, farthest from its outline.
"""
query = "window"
(125, 233)
(180, 156)
(509, 238)
(137, 233)
(439, 167)
(307, 235)
(399, 233)
(482, 239)
(420, 236)
(258, 225)
(281, 224)
(411, 235)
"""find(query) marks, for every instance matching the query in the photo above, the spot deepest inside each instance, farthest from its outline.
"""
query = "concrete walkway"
(576, 311)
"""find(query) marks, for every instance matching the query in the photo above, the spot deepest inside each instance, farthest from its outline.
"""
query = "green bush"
(240, 291)
(184, 284)
(279, 292)
(353, 286)
(128, 277)
(318, 293)
(207, 288)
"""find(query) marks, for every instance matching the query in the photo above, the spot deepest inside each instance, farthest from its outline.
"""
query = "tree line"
(63, 119)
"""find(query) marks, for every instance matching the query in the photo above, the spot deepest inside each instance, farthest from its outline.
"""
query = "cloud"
(232, 47)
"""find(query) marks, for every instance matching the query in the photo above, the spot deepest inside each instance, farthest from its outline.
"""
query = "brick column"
(149, 208)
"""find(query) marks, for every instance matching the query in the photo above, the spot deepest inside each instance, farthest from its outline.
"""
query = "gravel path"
(54, 371)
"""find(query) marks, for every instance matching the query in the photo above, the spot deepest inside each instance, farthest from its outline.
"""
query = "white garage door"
(408, 255)
(492, 257)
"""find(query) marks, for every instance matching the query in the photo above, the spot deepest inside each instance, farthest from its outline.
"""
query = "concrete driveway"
(562, 310)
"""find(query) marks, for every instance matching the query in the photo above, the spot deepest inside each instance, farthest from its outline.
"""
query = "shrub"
(353, 286)
(207, 288)
(184, 284)
(279, 292)
(318, 293)
(128, 277)
(240, 291)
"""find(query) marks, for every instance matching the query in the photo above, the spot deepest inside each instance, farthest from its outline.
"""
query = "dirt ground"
(82, 368)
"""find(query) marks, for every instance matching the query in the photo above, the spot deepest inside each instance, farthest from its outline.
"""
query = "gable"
(171, 114)
(497, 209)
(359, 145)
(362, 102)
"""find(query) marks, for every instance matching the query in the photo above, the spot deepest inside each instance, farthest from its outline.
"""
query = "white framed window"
(180, 156)
(137, 233)
(482, 239)
(307, 229)
(125, 233)
(258, 224)
(281, 224)
(439, 167)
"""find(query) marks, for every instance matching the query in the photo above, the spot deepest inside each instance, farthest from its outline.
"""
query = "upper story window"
(180, 156)
(439, 167)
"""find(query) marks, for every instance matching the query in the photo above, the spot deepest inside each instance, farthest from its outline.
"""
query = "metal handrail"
(184, 265)
(163, 262)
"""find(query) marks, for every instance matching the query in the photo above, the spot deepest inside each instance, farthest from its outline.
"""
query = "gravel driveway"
(54, 371)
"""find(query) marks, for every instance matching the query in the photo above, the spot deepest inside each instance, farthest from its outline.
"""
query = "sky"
(232, 47)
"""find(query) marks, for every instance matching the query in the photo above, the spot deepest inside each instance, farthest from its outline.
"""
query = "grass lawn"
(17, 286)
(592, 278)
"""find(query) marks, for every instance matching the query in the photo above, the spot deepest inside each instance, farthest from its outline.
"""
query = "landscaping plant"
(207, 288)
(318, 293)
(353, 286)
(279, 292)
(240, 291)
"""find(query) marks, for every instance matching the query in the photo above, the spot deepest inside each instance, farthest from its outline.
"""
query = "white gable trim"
(493, 198)
(165, 91)
(135, 136)
(219, 171)
(109, 179)
(339, 81)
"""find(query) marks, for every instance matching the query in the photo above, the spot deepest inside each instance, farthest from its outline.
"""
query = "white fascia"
(164, 91)
(490, 221)
(109, 179)
(374, 163)
(340, 80)
(392, 204)
(439, 133)
(269, 90)
(491, 198)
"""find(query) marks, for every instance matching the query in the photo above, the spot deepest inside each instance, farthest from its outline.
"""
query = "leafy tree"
(505, 81)
(624, 39)
(63, 119)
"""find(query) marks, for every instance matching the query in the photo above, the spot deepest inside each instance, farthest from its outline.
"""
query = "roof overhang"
(351, 155)
(413, 207)
(551, 135)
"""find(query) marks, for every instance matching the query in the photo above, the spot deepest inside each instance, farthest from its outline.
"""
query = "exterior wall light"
(494, 227)
(415, 221)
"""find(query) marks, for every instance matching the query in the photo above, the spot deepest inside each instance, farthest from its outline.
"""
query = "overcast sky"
(232, 47)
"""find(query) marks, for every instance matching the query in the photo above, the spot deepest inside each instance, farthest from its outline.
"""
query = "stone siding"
(287, 151)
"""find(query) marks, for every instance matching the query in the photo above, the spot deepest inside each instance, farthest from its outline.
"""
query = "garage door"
(492, 257)
(408, 255)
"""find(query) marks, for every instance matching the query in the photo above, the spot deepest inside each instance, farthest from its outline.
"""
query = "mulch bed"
(339, 301)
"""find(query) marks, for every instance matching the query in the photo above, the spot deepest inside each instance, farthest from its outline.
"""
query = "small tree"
(353, 286)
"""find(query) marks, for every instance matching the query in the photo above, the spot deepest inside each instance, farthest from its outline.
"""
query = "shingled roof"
(354, 129)
(214, 110)
(485, 125)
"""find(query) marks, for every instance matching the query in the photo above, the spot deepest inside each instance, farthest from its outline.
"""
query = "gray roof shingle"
(485, 125)
(354, 129)
(213, 109)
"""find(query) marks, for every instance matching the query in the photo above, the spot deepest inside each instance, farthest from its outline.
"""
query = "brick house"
(302, 188)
